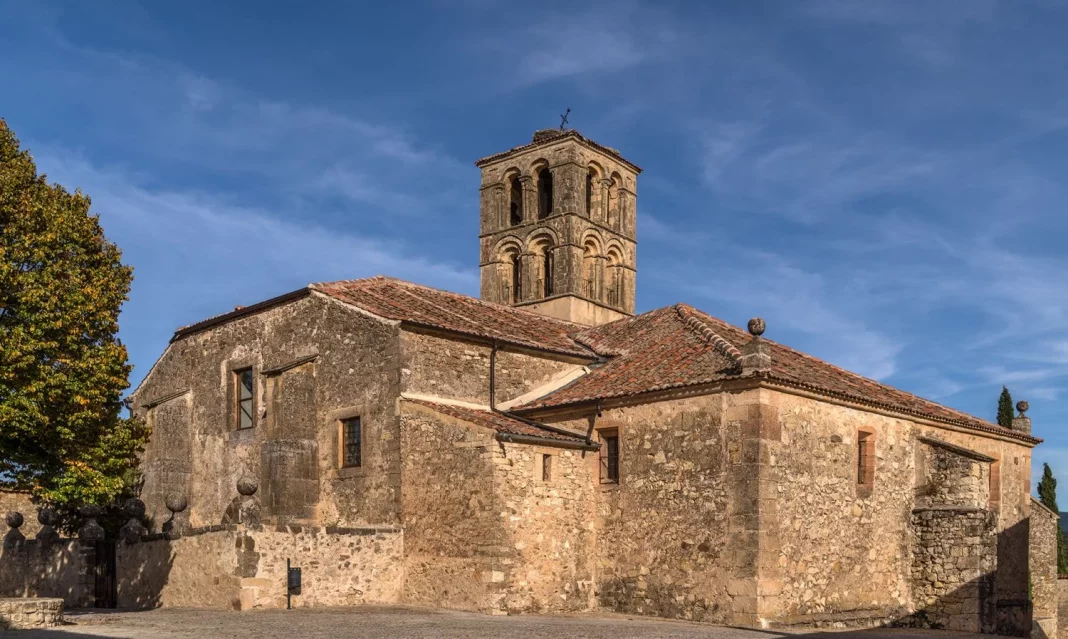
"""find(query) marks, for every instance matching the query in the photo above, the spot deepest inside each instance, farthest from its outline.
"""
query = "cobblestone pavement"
(373, 622)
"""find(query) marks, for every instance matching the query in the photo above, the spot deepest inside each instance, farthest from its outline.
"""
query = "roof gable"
(680, 346)
(433, 308)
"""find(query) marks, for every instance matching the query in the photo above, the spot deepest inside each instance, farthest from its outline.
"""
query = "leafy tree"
(1047, 494)
(62, 368)
(1005, 408)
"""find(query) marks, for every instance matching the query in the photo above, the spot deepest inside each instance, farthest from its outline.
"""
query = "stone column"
(13, 537)
(1022, 423)
(530, 198)
(753, 528)
(530, 271)
(606, 190)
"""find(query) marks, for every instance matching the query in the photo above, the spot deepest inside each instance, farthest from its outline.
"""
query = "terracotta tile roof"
(679, 346)
(429, 307)
(497, 421)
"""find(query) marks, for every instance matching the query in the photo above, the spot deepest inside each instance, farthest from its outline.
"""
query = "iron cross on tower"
(563, 119)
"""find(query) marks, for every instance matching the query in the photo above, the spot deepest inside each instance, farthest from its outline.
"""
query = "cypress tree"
(1047, 494)
(1005, 414)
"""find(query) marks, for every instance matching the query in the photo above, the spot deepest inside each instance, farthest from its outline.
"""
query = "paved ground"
(374, 622)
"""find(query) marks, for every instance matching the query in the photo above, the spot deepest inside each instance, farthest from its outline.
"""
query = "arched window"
(590, 271)
(545, 193)
(516, 288)
(515, 203)
(589, 193)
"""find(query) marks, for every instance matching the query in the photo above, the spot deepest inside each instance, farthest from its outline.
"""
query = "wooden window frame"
(604, 457)
(546, 468)
(864, 463)
(343, 424)
(236, 400)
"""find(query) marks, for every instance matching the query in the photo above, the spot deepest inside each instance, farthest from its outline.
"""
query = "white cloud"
(199, 254)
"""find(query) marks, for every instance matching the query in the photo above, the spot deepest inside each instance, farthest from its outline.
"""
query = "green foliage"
(62, 368)
(1047, 494)
(1005, 413)
(1047, 489)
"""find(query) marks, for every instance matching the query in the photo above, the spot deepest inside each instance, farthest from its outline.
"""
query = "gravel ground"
(373, 622)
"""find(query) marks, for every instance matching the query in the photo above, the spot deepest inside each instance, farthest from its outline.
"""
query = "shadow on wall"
(86, 572)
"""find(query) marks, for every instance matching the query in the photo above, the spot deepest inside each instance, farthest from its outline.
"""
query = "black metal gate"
(106, 593)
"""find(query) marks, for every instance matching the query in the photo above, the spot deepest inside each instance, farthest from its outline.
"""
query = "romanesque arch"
(592, 267)
(541, 246)
(593, 189)
(615, 275)
(508, 255)
(514, 188)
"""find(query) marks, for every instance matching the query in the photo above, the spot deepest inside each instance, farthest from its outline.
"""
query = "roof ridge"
(453, 294)
(694, 323)
(824, 362)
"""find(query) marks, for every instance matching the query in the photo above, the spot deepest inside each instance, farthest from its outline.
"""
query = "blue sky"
(884, 182)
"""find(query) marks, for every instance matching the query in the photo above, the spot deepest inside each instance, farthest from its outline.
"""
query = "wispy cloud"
(196, 254)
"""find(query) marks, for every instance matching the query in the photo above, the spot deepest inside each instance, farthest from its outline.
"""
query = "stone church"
(544, 449)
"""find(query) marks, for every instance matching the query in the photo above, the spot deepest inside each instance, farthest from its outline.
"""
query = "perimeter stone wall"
(243, 568)
(1044, 583)
(13, 501)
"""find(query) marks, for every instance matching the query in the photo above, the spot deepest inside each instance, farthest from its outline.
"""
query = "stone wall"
(1044, 596)
(551, 526)
(314, 360)
(953, 568)
(25, 614)
(434, 365)
(34, 569)
(1062, 606)
(13, 501)
(484, 530)
(946, 477)
(845, 554)
(665, 544)
(457, 549)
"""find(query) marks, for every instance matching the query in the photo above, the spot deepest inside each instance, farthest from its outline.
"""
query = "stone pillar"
(753, 528)
(756, 355)
(606, 189)
(48, 520)
(91, 530)
(13, 537)
(1022, 423)
(530, 198)
(133, 530)
(569, 189)
(177, 504)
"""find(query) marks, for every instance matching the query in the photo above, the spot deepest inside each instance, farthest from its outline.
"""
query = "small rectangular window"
(865, 463)
(243, 395)
(351, 439)
(546, 467)
(610, 458)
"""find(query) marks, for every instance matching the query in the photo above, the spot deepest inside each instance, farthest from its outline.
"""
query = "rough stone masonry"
(543, 449)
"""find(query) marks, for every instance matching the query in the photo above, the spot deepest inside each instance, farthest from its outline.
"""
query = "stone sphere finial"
(47, 517)
(134, 508)
(247, 486)
(1022, 406)
(757, 326)
(91, 511)
(176, 503)
(15, 519)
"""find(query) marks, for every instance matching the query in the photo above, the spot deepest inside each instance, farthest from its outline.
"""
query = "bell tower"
(557, 230)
